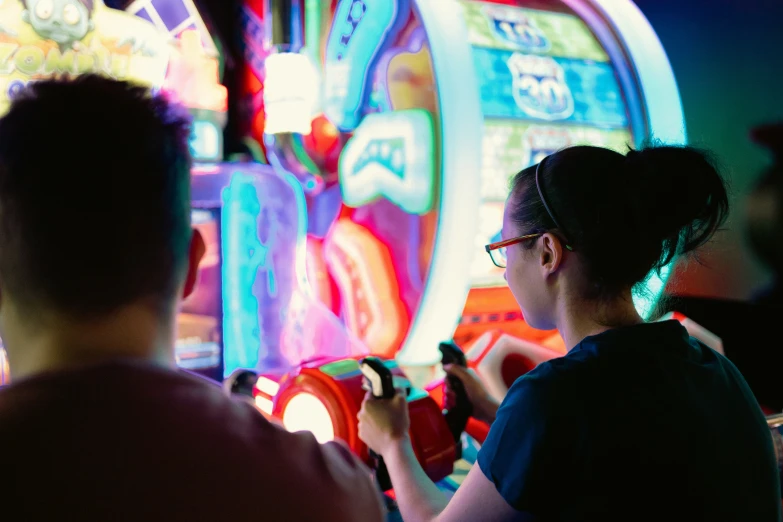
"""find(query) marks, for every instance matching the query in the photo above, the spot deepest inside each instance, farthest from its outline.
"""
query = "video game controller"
(379, 382)
(457, 416)
(241, 382)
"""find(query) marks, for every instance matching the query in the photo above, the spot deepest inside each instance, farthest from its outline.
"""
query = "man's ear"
(551, 253)
(195, 254)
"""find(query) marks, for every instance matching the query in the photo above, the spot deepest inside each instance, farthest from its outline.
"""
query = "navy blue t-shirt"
(636, 423)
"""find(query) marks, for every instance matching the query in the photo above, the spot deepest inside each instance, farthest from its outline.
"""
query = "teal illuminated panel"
(343, 368)
(525, 86)
(359, 34)
(262, 227)
(391, 155)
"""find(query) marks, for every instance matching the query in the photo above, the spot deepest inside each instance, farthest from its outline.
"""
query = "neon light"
(205, 141)
(255, 207)
(363, 270)
(317, 273)
(267, 386)
(290, 93)
(243, 256)
(264, 404)
(359, 33)
(313, 31)
(461, 128)
(659, 87)
(306, 412)
(391, 155)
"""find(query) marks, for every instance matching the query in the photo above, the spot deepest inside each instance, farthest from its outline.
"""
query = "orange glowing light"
(365, 275)
(317, 273)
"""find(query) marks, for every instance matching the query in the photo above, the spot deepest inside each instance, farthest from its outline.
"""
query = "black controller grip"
(378, 381)
(457, 416)
(377, 378)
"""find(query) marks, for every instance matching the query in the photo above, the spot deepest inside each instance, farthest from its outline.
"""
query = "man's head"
(94, 202)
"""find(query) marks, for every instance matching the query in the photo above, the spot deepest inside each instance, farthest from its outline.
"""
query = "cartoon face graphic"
(63, 21)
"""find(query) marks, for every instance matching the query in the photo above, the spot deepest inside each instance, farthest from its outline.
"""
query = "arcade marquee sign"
(42, 39)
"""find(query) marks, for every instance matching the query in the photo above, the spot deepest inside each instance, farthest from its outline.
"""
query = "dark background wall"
(727, 56)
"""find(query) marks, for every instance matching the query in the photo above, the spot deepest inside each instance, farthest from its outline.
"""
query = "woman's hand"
(484, 406)
(384, 423)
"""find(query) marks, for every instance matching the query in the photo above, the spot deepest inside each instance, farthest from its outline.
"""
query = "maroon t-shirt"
(132, 442)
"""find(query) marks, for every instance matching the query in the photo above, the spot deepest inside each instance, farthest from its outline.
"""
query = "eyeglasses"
(497, 251)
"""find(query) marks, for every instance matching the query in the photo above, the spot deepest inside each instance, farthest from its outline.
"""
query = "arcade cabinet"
(425, 110)
(252, 294)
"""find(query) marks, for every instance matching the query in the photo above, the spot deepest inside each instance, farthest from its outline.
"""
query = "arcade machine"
(252, 216)
(424, 112)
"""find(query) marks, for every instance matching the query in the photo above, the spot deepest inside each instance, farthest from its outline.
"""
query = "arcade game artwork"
(422, 113)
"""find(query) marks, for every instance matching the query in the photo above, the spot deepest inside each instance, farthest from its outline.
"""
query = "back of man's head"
(94, 198)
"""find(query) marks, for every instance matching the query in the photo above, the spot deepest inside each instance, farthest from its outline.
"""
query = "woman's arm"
(420, 500)
(478, 499)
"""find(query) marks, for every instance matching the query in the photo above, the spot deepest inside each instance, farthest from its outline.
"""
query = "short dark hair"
(94, 196)
(659, 201)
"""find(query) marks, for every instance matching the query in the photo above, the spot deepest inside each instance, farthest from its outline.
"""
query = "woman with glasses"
(637, 421)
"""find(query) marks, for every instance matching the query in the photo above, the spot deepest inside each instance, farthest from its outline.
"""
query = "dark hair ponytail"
(625, 215)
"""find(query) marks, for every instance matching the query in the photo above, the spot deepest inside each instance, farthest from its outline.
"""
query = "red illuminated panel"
(363, 270)
(318, 275)
(495, 308)
(337, 384)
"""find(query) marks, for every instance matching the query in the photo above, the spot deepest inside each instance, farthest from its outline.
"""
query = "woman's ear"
(552, 251)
